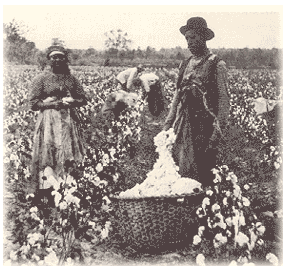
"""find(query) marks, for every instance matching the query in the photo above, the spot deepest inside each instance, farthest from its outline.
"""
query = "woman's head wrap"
(56, 49)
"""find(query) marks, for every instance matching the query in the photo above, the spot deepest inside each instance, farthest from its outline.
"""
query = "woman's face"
(58, 60)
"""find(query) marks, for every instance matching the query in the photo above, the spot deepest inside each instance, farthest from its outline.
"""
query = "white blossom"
(215, 208)
(201, 230)
(63, 205)
(57, 197)
(34, 209)
(219, 240)
(272, 259)
(13, 255)
(241, 239)
(205, 202)
(233, 263)
(200, 260)
(99, 167)
(245, 201)
(209, 192)
(51, 259)
(196, 239)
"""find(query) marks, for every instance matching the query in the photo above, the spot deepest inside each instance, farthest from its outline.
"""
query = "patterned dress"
(193, 124)
(58, 136)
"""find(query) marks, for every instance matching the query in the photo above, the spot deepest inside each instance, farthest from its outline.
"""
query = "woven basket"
(156, 221)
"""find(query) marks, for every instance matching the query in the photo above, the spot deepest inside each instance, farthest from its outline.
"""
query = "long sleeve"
(131, 77)
(223, 101)
(172, 113)
(36, 92)
(79, 94)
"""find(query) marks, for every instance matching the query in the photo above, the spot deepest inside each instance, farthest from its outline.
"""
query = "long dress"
(192, 123)
(58, 137)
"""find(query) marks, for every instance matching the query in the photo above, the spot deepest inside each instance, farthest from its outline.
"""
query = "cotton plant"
(164, 179)
(228, 230)
(123, 133)
(243, 89)
(50, 234)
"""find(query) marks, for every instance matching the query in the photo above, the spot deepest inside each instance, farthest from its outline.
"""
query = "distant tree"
(139, 53)
(106, 62)
(117, 43)
(111, 53)
(14, 32)
(180, 56)
(117, 40)
(75, 55)
(150, 52)
(15, 46)
(58, 41)
(90, 51)
(41, 59)
(28, 51)
(130, 54)
(121, 54)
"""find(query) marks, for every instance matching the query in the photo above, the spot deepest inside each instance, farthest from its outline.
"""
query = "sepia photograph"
(142, 134)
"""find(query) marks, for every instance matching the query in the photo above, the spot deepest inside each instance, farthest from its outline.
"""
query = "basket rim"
(117, 198)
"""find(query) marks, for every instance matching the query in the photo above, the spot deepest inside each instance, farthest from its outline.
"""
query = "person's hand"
(131, 99)
(67, 100)
(49, 100)
(166, 128)
(58, 105)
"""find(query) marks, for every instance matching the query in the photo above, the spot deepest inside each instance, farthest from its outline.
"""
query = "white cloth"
(148, 79)
(262, 105)
(127, 76)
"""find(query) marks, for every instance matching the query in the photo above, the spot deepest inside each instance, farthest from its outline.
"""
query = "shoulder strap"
(182, 68)
(214, 58)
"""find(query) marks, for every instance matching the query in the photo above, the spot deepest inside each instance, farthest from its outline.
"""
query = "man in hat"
(126, 77)
(200, 107)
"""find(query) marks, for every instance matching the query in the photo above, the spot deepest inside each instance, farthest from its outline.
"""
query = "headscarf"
(56, 48)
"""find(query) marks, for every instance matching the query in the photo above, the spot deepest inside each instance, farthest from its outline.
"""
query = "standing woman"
(57, 139)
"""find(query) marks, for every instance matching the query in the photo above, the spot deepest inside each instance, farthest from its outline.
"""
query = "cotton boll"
(164, 179)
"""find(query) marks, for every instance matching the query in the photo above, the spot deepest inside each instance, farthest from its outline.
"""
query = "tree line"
(19, 50)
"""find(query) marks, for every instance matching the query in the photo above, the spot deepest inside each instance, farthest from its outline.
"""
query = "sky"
(83, 26)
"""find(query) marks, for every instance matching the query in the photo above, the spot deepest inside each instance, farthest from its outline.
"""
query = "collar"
(196, 57)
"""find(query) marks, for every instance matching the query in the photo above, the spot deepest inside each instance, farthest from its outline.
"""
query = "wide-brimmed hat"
(199, 25)
(56, 49)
